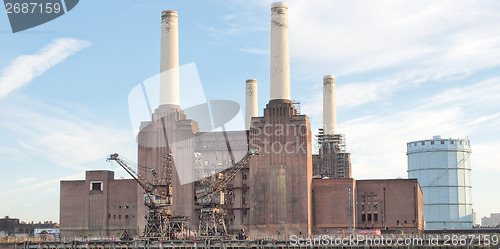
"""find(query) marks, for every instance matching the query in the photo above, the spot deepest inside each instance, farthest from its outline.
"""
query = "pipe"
(280, 56)
(329, 106)
(251, 105)
(169, 68)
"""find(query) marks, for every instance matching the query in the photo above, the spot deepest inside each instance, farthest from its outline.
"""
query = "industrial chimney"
(280, 57)
(251, 107)
(169, 77)
(329, 106)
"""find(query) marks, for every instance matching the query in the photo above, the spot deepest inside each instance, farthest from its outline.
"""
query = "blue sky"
(405, 70)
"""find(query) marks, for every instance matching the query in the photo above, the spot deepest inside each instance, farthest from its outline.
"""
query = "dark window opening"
(126, 206)
(119, 216)
(375, 217)
(126, 216)
(109, 216)
(442, 142)
(363, 217)
(369, 217)
(114, 216)
(96, 186)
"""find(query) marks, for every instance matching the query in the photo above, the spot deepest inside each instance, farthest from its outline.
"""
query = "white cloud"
(63, 137)
(26, 67)
(437, 39)
(42, 184)
(378, 142)
(26, 179)
(251, 50)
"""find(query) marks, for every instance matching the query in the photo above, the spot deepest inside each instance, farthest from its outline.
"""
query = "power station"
(284, 189)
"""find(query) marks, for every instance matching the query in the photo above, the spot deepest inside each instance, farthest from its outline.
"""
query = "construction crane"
(209, 194)
(160, 222)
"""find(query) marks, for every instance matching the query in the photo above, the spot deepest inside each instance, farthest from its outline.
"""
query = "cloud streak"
(26, 179)
(25, 68)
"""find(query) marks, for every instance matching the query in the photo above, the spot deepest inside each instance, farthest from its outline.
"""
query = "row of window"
(365, 217)
(441, 142)
(369, 206)
(120, 207)
(120, 216)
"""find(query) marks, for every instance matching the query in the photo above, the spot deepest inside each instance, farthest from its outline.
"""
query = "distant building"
(442, 167)
(492, 221)
(98, 205)
(9, 225)
(12, 226)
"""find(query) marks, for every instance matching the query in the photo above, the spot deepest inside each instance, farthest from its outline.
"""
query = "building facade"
(99, 206)
(342, 206)
(274, 194)
(443, 168)
(492, 221)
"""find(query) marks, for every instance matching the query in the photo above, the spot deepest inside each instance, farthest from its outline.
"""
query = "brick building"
(99, 205)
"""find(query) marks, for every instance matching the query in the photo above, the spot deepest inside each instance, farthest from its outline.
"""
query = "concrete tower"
(280, 56)
(280, 179)
(329, 106)
(251, 105)
(169, 78)
(152, 146)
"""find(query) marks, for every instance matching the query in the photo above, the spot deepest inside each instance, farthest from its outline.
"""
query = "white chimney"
(280, 57)
(169, 81)
(251, 107)
(329, 106)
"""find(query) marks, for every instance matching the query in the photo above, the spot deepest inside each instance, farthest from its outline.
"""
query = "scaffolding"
(333, 161)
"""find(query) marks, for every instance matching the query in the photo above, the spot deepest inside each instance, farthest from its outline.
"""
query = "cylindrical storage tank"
(442, 167)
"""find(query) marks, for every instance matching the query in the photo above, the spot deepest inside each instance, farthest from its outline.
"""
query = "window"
(452, 142)
(369, 217)
(96, 186)
(362, 206)
(119, 216)
(126, 206)
(114, 216)
(126, 216)
(375, 206)
(423, 143)
(363, 217)
(375, 217)
(432, 142)
(109, 216)
(442, 142)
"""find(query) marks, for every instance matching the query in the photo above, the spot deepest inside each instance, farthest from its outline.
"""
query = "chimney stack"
(251, 105)
(280, 57)
(169, 81)
(329, 106)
